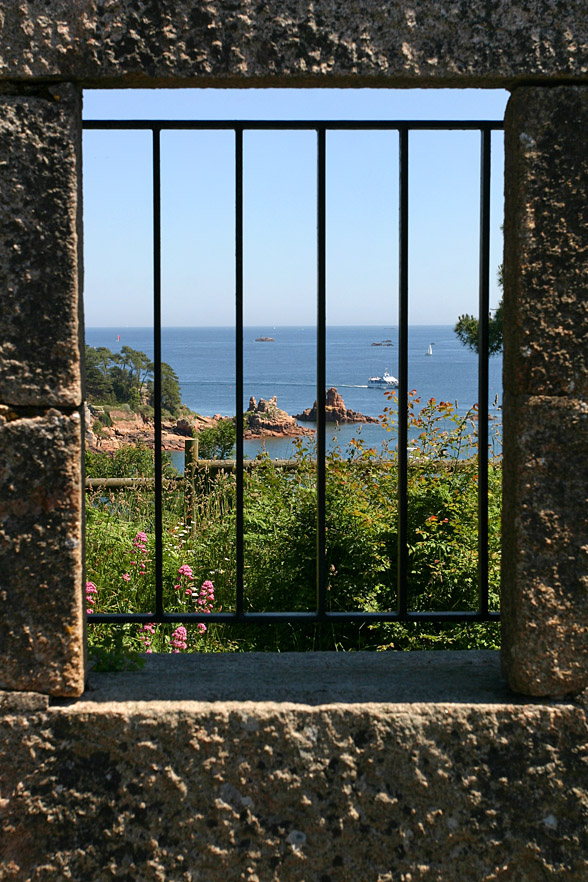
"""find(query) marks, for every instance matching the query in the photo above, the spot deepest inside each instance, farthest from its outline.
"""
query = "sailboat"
(430, 349)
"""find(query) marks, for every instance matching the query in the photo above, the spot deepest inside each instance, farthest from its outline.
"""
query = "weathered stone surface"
(40, 214)
(41, 606)
(311, 678)
(262, 791)
(388, 43)
(545, 545)
(546, 245)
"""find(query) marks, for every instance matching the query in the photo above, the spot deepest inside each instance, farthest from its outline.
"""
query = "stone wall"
(419, 782)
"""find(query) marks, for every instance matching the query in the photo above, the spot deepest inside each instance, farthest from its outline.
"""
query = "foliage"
(126, 377)
(279, 522)
(131, 461)
(217, 442)
(467, 331)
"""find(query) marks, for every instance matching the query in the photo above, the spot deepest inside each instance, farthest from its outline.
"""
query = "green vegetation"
(217, 442)
(468, 327)
(126, 377)
(467, 330)
(280, 557)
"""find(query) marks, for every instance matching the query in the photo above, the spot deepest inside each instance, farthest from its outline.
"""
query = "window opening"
(323, 614)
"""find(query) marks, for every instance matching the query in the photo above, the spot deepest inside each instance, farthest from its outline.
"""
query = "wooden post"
(190, 461)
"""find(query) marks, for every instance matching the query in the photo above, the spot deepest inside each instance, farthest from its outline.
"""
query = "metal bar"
(321, 319)
(483, 312)
(321, 614)
(261, 618)
(402, 567)
(239, 365)
(157, 371)
(293, 125)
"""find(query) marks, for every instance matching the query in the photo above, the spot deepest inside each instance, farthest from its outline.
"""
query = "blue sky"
(280, 208)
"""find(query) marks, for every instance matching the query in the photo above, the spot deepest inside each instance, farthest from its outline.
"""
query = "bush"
(279, 541)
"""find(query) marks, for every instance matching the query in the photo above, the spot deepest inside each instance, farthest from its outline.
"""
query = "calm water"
(204, 360)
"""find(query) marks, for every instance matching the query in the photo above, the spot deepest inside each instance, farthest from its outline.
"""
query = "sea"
(204, 361)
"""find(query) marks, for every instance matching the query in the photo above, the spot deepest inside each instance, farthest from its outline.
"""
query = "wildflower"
(177, 587)
(178, 639)
(186, 571)
(126, 577)
(90, 591)
(201, 627)
(141, 537)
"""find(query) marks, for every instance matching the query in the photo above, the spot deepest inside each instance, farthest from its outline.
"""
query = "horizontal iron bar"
(291, 125)
(268, 618)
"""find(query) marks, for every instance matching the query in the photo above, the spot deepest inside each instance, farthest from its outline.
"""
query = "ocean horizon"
(204, 360)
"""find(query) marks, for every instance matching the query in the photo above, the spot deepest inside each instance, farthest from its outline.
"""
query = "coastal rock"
(184, 427)
(126, 427)
(266, 420)
(335, 411)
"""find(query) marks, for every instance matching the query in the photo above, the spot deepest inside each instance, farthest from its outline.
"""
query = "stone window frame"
(540, 53)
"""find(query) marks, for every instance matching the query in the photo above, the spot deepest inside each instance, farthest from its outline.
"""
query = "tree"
(171, 400)
(217, 442)
(98, 380)
(468, 327)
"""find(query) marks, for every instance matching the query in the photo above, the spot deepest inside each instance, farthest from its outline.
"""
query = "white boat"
(430, 349)
(385, 382)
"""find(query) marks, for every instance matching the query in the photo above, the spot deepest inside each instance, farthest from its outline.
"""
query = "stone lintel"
(293, 42)
(40, 247)
(348, 788)
(41, 598)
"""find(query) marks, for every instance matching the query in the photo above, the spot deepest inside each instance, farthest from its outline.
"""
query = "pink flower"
(201, 627)
(89, 610)
(141, 537)
(186, 571)
(126, 577)
(91, 588)
(178, 639)
(188, 592)
(177, 587)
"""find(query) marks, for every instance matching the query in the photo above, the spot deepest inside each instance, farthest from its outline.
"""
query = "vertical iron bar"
(402, 568)
(483, 312)
(239, 362)
(321, 587)
(157, 368)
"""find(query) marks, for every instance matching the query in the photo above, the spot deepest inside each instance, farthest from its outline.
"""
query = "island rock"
(266, 420)
(335, 411)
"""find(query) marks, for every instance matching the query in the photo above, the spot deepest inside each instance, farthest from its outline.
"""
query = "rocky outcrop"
(266, 420)
(335, 411)
(106, 432)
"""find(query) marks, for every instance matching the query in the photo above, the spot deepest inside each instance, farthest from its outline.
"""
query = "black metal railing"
(321, 614)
